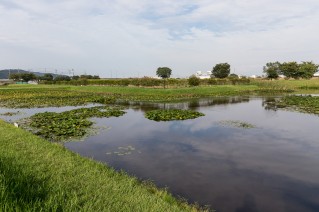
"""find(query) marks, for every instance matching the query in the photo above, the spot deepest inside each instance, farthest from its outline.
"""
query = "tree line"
(220, 70)
(26, 77)
(273, 70)
(295, 70)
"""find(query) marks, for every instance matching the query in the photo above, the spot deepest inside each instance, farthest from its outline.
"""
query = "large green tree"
(25, 77)
(307, 69)
(164, 73)
(290, 69)
(47, 77)
(15, 77)
(296, 71)
(221, 70)
(272, 70)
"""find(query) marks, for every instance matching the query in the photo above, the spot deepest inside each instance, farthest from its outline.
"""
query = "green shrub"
(193, 81)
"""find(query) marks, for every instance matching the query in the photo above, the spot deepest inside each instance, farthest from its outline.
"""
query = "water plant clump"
(69, 124)
(172, 114)
(306, 104)
(10, 113)
(238, 124)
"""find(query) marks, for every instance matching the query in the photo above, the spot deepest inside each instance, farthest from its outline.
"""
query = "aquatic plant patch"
(172, 114)
(69, 124)
(238, 124)
(10, 113)
(306, 104)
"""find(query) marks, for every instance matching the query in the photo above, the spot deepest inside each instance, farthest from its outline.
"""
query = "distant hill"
(4, 74)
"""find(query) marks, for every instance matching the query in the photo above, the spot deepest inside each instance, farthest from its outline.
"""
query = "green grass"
(62, 95)
(171, 94)
(301, 86)
(36, 175)
(45, 96)
(56, 95)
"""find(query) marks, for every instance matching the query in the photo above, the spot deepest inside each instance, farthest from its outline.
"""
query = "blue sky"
(133, 38)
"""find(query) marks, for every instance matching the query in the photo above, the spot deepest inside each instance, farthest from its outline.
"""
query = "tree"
(47, 77)
(272, 70)
(193, 81)
(233, 76)
(290, 69)
(164, 73)
(76, 77)
(221, 70)
(62, 78)
(85, 76)
(307, 69)
(15, 77)
(25, 77)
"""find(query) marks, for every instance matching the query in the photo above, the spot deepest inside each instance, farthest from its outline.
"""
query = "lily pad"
(69, 124)
(172, 114)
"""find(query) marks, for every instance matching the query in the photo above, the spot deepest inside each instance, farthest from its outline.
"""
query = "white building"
(253, 76)
(203, 75)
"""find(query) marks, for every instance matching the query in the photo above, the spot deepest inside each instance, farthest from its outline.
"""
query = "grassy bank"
(36, 175)
(55, 95)
(302, 86)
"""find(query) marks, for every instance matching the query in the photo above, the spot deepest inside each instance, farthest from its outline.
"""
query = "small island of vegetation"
(172, 114)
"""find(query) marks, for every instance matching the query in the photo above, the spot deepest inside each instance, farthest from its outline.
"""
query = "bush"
(193, 81)
(221, 70)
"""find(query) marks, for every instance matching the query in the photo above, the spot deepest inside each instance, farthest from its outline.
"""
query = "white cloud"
(133, 38)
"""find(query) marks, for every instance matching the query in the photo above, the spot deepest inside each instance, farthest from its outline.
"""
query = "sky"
(132, 38)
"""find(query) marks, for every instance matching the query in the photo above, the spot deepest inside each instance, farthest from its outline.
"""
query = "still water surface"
(272, 167)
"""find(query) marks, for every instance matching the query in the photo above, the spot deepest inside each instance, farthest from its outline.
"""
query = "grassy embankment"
(302, 86)
(59, 95)
(52, 95)
(255, 87)
(36, 175)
